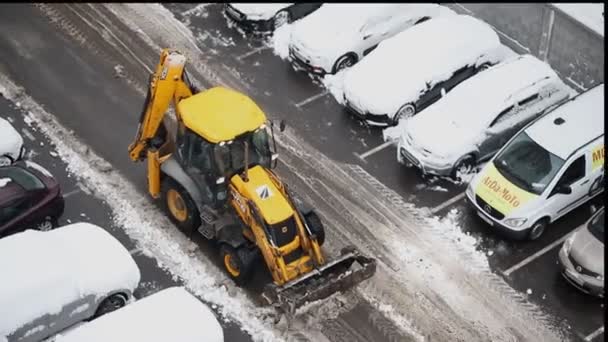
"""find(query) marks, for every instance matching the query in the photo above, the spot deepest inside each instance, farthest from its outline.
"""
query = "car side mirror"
(282, 125)
(564, 189)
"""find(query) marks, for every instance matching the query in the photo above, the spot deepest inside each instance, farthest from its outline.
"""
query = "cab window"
(574, 172)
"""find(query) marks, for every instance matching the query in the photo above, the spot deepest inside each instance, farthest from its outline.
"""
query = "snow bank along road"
(67, 64)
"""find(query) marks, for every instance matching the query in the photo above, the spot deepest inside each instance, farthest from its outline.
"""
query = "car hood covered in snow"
(10, 140)
(453, 124)
(171, 314)
(77, 260)
(259, 11)
(397, 71)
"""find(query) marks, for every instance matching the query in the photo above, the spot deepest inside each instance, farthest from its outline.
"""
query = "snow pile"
(4, 181)
(280, 40)
(70, 263)
(335, 85)
(171, 314)
(392, 75)
(260, 11)
(589, 14)
(10, 140)
(143, 223)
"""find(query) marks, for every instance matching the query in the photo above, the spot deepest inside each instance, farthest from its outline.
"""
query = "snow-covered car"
(11, 144)
(473, 121)
(265, 17)
(172, 314)
(411, 70)
(55, 279)
(30, 197)
(582, 256)
(337, 35)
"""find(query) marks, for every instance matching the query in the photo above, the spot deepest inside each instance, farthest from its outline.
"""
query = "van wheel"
(238, 262)
(112, 303)
(178, 204)
(538, 229)
(316, 226)
(47, 224)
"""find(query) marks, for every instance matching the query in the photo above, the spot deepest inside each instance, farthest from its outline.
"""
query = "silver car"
(582, 256)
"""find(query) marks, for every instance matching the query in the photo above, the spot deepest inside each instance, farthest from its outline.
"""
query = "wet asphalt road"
(80, 89)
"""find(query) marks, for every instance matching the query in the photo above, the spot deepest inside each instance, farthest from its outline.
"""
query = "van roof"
(172, 314)
(583, 121)
(78, 259)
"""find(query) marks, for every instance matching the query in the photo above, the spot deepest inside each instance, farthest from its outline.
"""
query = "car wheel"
(5, 161)
(463, 166)
(281, 18)
(238, 262)
(345, 61)
(538, 228)
(46, 225)
(112, 303)
(405, 112)
(178, 204)
(316, 226)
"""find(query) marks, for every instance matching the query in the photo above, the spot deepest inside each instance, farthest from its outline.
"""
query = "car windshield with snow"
(336, 36)
(410, 71)
(11, 144)
(265, 17)
(549, 168)
(81, 270)
(172, 314)
(30, 197)
(473, 121)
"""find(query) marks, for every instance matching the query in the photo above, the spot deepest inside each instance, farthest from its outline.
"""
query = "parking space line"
(312, 98)
(135, 251)
(252, 52)
(374, 150)
(595, 334)
(28, 134)
(534, 256)
(70, 193)
(447, 203)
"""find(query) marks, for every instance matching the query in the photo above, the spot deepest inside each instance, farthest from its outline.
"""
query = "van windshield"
(527, 164)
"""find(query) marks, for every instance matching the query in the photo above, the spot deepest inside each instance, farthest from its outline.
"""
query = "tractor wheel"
(316, 226)
(238, 262)
(178, 204)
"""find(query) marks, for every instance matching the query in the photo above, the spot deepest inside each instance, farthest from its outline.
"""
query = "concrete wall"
(573, 50)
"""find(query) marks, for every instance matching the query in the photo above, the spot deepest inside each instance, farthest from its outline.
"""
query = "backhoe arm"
(168, 82)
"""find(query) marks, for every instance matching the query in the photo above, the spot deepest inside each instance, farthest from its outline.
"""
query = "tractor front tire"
(316, 226)
(238, 262)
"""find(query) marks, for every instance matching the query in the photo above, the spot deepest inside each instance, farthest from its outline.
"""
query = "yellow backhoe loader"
(212, 173)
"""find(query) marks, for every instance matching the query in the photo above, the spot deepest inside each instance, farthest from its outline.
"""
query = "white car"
(172, 314)
(266, 17)
(54, 279)
(410, 71)
(11, 144)
(473, 121)
(336, 36)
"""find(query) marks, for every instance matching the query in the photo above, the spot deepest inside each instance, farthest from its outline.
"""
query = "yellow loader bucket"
(341, 274)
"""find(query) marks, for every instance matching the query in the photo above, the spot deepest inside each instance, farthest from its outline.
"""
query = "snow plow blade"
(340, 274)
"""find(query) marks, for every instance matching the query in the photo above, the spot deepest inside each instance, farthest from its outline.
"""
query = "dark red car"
(30, 198)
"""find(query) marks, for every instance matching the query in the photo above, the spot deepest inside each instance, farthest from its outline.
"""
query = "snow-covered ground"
(589, 14)
(10, 142)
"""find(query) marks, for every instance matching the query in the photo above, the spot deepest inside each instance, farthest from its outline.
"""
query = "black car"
(30, 197)
(266, 17)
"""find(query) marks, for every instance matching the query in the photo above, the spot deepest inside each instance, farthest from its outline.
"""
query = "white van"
(172, 314)
(549, 168)
(54, 279)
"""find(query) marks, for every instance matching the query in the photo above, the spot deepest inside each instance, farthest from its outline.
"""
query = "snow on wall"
(589, 14)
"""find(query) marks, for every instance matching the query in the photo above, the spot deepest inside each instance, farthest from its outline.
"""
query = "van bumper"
(495, 225)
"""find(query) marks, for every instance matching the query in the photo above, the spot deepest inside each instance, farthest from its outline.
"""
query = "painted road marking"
(375, 150)
(135, 251)
(312, 98)
(28, 134)
(68, 194)
(447, 203)
(252, 52)
(595, 334)
(534, 256)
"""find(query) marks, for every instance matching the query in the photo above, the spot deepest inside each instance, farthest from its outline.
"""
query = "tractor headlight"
(515, 222)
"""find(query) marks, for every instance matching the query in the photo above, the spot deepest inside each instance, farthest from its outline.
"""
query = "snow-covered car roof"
(477, 100)
(400, 67)
(583, 120)
(260, 11)
(43, 271)
(171, 314)
(10, 140)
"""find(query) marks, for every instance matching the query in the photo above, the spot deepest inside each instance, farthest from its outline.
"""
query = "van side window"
(503, 115)
(528, 100)
(575, 171)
